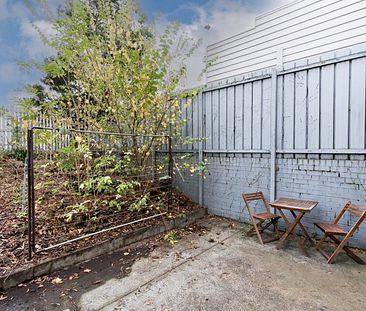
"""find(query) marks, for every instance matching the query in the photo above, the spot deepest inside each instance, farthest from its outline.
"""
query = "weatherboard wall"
(301, 29)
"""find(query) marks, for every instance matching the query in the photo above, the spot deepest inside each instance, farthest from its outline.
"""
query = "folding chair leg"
(255, 225)
(275, 225)
(349, 252)
(259, 235)
(252, 230)
(336, 252)
(319, 244)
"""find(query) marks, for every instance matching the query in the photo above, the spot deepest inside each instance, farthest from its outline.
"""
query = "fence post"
(273, 135)
(200, 146)
(31, 238)
(170, 168)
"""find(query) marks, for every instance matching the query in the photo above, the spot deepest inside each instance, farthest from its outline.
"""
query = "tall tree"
(112, 70)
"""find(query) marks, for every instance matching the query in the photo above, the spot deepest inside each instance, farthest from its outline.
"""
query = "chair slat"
(356, 209)
(253, 196)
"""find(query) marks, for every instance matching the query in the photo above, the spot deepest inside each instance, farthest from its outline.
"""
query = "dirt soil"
(55, 222)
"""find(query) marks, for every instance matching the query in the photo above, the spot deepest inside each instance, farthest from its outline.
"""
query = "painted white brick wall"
(184, 179)
(330, 180)
(331, 183)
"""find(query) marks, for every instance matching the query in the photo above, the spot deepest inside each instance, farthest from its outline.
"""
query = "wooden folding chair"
(259, 219)
(333, 230)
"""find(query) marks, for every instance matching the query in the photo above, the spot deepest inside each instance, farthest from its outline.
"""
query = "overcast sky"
(20, 41)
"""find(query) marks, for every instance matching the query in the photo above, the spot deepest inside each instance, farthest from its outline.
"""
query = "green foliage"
(141, 204)
(79, 208)
(129, 185)
(88, 185)
(115, 204)
(22, 215)
(18, 154)
(104, 184)
(74, 210)
(112, 71)
(105, 162)
(171, 237)
(66, 158)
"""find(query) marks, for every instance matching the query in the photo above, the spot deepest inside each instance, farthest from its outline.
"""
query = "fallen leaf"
(21, 285)
(75, 275)
(126, 253)
(87, 270)
(3, 297)
(97, 282)
(57, 281)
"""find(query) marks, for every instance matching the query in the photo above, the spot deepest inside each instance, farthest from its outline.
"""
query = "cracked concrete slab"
(225, 270)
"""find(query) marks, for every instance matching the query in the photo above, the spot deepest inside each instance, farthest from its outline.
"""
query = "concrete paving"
(215, 267)
(225, 270)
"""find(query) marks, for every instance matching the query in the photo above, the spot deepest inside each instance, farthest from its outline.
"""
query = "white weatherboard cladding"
(301, 29)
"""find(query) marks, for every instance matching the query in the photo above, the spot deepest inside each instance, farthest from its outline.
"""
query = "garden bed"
(56, 222)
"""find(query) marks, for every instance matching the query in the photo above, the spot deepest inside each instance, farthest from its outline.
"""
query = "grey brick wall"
(228, 177)
(331, 180)
(183, 179)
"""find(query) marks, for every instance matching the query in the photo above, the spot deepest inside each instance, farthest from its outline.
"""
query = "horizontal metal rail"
(322, 151)
(178, 151)
(96, 132)
(279, 151)
(323, 63)
(235, 83)
(237, 151)
(99, 232)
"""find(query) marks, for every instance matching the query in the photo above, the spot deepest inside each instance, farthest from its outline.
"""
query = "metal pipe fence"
(144, 179)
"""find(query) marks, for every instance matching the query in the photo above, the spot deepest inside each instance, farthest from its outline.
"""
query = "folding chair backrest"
(356, 210)
(255, 196)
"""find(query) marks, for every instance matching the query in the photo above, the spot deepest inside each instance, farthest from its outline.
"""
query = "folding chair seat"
(332, 230)
(259, 219)
(264, 216)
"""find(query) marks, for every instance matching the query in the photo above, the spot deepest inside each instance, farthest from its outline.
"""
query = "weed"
(171, 237)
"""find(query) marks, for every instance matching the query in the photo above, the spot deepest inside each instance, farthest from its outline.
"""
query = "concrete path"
(224, 270)
(214, 268)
